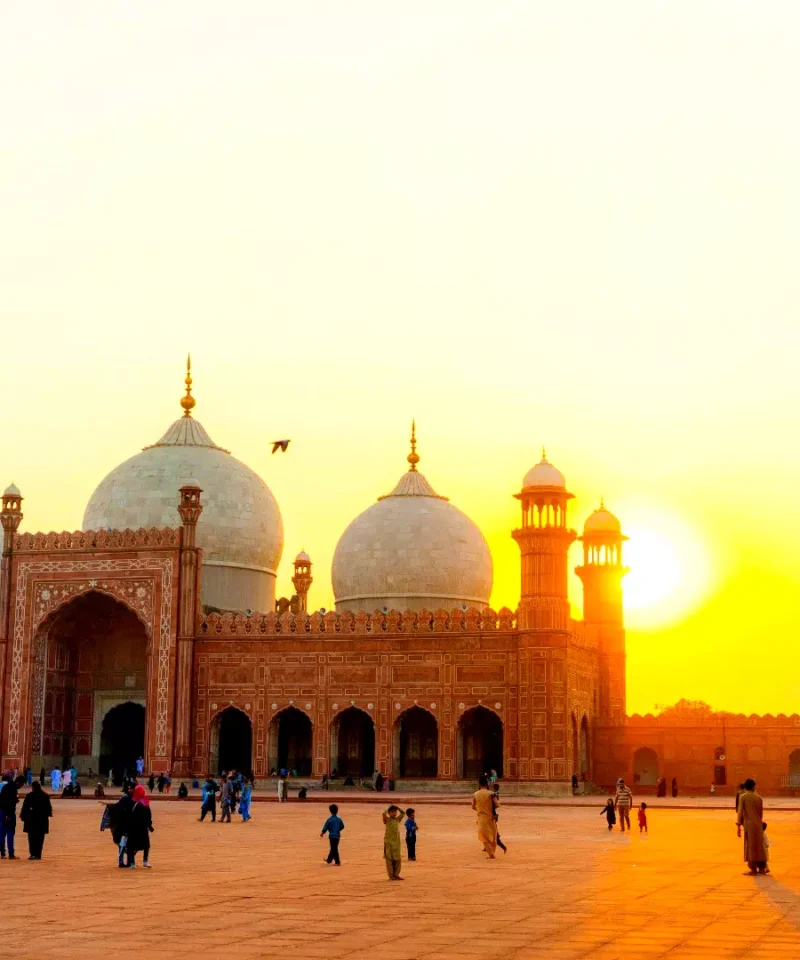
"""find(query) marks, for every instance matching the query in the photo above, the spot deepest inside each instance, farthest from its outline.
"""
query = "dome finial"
(413, 457)
(188, 401)
(602, 502)
(544, 453)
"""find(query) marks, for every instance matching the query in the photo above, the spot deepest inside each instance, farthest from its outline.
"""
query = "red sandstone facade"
(105, 653)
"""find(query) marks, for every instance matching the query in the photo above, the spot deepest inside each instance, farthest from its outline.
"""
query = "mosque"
(155, 631)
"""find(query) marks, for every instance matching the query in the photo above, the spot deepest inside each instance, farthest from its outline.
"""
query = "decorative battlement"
(80, 540)
(711, 718)
(360, 623)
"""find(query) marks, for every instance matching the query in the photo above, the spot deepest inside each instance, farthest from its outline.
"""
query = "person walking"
(9, 797)
(226, 795)
(609, 814)
(140, 766)
(483, 803)
(674, 787)
(333, 826)
(210, 789)
(281, 787)
(35, 815)
(751, 817)
(623, 803)
(495, 805)
(119, 817)
(55, 780)
(140, 827)
(244, 800)
(392, 850)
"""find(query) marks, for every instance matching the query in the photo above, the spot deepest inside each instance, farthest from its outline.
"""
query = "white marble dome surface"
(412, 550)
(543, 474)
(240, 529)
(601, 521)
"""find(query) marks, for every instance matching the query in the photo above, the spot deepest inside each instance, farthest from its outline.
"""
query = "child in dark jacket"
(610, 815)
(333, 826)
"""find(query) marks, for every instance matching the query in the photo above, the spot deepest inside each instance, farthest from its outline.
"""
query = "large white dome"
(240, 529)
(412, 550)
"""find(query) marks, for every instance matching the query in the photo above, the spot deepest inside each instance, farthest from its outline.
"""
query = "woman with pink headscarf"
(140, 828)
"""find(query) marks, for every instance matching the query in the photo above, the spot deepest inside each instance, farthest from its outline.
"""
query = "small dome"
(412, 550)
(602, 521)
(544, 474)
(302, 557)
(12, 491)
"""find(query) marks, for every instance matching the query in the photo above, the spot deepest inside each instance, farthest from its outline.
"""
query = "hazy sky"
(569, 223)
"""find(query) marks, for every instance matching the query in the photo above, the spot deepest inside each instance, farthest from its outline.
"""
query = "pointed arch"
(352, 742)
(415, 744)
(291, 740)
(480, 742)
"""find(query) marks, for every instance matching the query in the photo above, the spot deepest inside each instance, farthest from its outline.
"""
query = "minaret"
(544, 541)
(11, 517)
(601, 575)
(302, 579)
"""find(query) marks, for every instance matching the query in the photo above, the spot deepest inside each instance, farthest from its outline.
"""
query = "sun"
(670, 569)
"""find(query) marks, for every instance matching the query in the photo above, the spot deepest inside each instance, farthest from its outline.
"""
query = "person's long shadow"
(783, 898)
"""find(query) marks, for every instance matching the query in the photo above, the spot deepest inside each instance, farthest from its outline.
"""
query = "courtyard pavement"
(566, 889)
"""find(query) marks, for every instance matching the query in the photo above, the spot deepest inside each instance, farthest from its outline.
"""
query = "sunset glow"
(521, 224)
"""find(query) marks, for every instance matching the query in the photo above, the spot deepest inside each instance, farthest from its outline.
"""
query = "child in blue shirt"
(333, 826)
(411, 834)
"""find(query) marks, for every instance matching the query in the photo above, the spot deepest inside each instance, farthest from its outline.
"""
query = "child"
(333, 826)
(495, 805)
(608, 812)
(766, 848)
(392, 854)
(643, 818)
(411, 834)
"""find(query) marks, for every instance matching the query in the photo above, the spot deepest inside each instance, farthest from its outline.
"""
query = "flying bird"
(281, 445)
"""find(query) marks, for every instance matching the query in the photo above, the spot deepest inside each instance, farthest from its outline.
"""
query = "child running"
(333, 826)
(609, 814)
(411, 834)
(392, 851)
(643, 818)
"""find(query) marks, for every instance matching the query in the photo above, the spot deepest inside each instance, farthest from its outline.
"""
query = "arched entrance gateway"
(122, 739)
(353, 743)
(480, 743)
(645, 767)
(90, 687)
(231, 742)
(416, 744)
(290, 742)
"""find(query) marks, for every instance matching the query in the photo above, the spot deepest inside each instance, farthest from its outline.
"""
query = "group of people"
(392, 847)
(621, 804)
(661, 787)
(130, 821)
(234, 789)
(35, 815)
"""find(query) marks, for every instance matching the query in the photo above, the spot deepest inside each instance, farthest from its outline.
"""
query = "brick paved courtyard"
(567, 889)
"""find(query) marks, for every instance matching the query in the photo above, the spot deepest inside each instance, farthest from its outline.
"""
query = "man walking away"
(35, 814)
(623, 803)
(227, 797)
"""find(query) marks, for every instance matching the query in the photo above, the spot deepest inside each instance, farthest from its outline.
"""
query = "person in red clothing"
(643, 818)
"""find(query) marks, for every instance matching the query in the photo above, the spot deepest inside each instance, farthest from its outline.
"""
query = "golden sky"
(570, 224)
